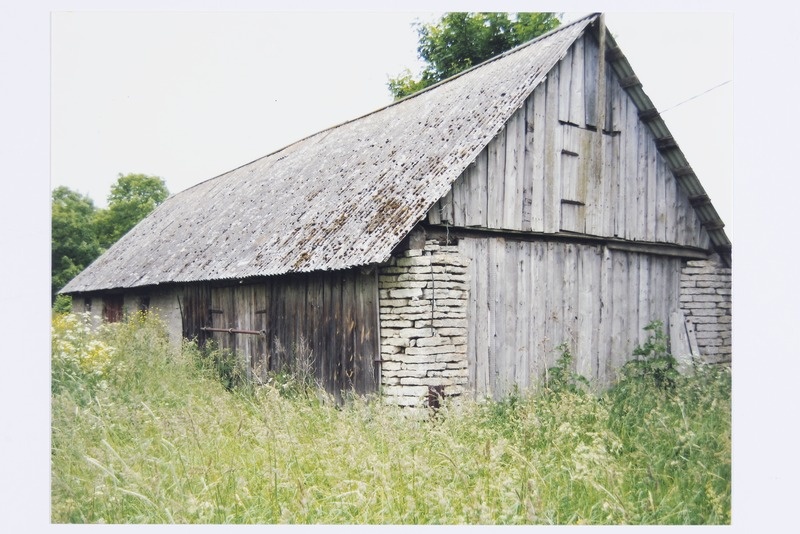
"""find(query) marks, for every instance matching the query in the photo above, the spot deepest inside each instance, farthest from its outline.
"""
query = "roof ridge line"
(406, 98)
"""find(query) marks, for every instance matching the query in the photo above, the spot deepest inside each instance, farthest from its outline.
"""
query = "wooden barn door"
(113, 308)
(322, 325)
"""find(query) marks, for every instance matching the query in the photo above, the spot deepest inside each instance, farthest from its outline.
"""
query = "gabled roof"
(341, 198)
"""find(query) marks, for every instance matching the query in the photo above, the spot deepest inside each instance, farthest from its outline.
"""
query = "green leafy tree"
(461, 40)
(74, 241)
(132, 198)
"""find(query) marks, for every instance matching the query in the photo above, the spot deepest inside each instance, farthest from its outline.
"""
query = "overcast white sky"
(190, 95)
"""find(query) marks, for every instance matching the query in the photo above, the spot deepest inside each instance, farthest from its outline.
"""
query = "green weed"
(165, 441)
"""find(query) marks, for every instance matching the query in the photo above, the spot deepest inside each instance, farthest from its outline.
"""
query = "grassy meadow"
(143, 432)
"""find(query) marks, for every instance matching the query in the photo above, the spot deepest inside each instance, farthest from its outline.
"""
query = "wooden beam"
(666, 143)
(647, 115)
(630, 81)
(699, 200)
(614, 54)
(661, 249)
(680, 172)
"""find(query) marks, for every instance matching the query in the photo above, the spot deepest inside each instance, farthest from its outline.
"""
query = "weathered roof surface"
(346, 196)
(341, 198)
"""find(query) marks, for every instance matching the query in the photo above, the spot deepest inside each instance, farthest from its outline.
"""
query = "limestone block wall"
(423, 322)
(706, 304)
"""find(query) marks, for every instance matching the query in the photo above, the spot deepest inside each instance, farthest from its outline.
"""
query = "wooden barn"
(449, 242)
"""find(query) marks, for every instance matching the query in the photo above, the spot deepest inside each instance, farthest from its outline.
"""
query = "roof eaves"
(669, 149)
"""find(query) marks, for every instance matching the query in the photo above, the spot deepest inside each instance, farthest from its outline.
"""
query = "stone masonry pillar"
(423, 316)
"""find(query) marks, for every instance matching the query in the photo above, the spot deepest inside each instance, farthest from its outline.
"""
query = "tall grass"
(158, 438)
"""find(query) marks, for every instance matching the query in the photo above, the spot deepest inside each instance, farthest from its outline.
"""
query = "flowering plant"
(80, 360)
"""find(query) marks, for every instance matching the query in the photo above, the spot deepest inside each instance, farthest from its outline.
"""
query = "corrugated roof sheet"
(341, 198)
(347, 196)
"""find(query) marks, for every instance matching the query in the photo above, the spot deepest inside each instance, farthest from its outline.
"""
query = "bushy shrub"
(62, 304)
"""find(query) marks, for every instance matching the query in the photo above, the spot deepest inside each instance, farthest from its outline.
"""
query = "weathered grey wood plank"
(619, 186)
(569, 296)
(434, 214)
(498, 346)
(679, 341)
(652, 193)
(603, 354)
(640, 230)
(509, 310)
(671, 204)
(552, 161)
(476, 185)
(577, 113)
(591, 82)
(661, 201)
(631, 197)
(481, 199)
(537, 177)
(527, 165)
(619, 307)
(646, 308)
(564, 71)
(446, 208)
(553, 307)
(514, 171)
(522, 317)
(607, 189)
(460, 201)
(496, 184)
(482, 332)
(666, 176)
(587, 312)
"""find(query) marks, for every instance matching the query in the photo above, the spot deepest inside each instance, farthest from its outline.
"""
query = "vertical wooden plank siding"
(480, 289)
(514, 171)
(591, 86)
(650, 176)
(552, 147)
(604, 330)
(616, 183)
(333, 315)
(531, 296)
(564, 71)
(631, 196)
(522, 314)
(577, 113)
(539, 311)
(537, 154)
(528, 155)
(195, 307)
(497, 298)
(569, 285)
(496, 184)
(507, 360)
(640, 228)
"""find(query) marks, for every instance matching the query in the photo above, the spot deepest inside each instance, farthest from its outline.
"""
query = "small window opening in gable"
(144, 303)
(87, 305)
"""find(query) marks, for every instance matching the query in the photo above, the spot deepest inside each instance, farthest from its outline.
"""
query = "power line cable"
(695, 96)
